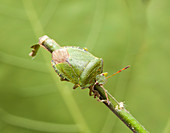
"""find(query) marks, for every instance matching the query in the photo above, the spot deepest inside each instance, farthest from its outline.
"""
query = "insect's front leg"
(92, 91)
(96, 94)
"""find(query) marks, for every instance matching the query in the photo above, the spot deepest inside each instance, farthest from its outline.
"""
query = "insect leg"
(106, 95)
(96, 93)
(91, 90)
(102, 101)
(75, 86)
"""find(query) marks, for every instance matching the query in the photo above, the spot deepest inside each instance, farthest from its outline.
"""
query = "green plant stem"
(119, 110)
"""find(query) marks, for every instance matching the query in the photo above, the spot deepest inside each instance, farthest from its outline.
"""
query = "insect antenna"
(118, 71)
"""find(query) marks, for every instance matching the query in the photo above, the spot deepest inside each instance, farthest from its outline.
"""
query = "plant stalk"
(119, 110)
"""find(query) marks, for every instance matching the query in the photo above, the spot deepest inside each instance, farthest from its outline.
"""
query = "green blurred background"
(122, 32)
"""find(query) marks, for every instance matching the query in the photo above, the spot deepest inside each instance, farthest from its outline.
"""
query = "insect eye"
(105, 74)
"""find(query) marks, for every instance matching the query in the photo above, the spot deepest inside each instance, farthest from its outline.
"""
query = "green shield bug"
(76, 65)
